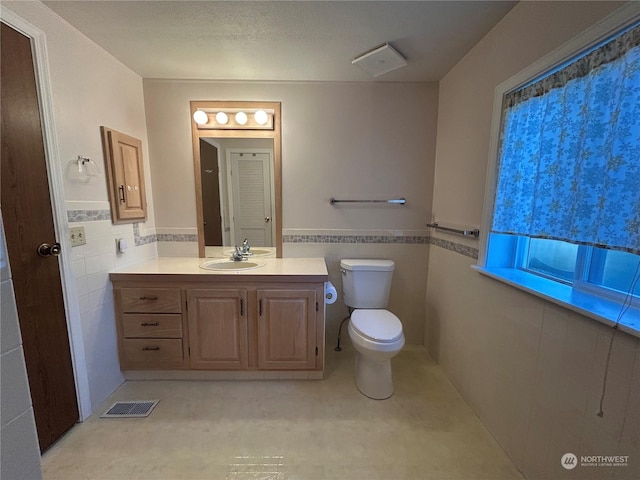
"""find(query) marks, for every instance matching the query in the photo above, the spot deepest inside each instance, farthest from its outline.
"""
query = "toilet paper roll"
(330, 293)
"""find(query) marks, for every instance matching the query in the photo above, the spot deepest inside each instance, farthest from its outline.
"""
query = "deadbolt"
(46, 250)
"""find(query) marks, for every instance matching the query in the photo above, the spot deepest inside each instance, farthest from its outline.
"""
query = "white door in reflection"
(251, 196)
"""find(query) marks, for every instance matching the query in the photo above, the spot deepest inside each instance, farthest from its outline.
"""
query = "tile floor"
(285, 430)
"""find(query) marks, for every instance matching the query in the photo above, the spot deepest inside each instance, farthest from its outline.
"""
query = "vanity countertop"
(188, 268)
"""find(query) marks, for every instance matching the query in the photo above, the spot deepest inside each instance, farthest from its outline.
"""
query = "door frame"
(223, 202)
(232, 222)
(58, 205)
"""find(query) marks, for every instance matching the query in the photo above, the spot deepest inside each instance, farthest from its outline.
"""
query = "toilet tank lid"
(365, 264)
(377, 324)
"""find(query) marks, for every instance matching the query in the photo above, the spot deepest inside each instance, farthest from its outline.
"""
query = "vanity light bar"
(234, 119)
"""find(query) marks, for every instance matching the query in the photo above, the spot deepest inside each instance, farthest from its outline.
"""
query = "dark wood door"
(28, 222)
(210, 194)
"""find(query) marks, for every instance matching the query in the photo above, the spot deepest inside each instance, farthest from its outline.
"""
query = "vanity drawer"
(150, 300)
(152, 353)
(154, 325)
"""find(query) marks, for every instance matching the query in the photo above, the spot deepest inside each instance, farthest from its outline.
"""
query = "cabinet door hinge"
(316, 351)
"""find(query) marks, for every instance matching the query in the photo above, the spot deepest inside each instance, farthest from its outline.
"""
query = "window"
(604, 272)
(567, 198)
(551, 258)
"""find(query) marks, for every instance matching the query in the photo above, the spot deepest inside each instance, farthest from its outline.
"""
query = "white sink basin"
(231, 265)
(255, 252)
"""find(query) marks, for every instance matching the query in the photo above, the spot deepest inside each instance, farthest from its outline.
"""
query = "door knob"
(47, 250)
(267, 219)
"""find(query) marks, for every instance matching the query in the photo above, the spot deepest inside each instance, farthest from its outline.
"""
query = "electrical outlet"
(77, 236)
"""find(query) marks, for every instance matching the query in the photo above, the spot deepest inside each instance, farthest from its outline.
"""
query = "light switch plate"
(77, 236)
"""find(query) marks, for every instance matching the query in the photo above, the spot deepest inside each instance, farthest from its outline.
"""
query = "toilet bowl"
(375, 333)
(377, 336)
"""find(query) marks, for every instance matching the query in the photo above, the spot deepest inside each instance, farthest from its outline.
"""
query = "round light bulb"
(222, 118)
(241, 118)
(261, 117)
(200, 117)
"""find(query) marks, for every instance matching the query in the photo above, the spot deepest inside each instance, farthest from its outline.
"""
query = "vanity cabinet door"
(287, 329)
(218, 329)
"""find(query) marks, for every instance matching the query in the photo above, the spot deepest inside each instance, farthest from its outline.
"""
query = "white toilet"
(375, 333)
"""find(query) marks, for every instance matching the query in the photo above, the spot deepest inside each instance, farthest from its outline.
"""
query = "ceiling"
(282, 41)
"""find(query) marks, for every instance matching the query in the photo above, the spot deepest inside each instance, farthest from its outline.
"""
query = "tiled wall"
(533, 371)
(91, 265)
(20, 454)
(407, 248)
(177, 242)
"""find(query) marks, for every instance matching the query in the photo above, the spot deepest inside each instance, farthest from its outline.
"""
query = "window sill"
(592, 306)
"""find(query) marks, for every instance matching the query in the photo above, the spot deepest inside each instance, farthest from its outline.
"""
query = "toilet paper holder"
(330, 293)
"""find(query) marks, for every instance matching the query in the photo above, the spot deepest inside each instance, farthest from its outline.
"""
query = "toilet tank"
(366, 283)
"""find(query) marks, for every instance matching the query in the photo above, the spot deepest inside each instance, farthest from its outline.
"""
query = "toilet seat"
(377, 325)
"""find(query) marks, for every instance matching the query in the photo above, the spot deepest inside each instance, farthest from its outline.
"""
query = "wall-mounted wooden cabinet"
(125, 176)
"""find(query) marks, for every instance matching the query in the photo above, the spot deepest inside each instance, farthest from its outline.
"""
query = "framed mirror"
(238, 176)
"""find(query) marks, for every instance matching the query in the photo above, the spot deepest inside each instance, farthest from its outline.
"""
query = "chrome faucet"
(237, 255)
(246, 247)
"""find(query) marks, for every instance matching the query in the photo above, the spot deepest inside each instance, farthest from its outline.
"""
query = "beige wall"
(359, 140)
(530, 369)
(348, 140)
(90, 88)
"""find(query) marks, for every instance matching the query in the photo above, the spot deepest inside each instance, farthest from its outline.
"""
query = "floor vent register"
(132, 409)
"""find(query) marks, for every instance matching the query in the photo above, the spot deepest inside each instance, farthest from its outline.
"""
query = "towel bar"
(396, 201)
(467, 233)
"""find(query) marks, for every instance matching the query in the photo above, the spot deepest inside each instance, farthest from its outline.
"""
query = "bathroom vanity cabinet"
(272, 328)
(171, 315)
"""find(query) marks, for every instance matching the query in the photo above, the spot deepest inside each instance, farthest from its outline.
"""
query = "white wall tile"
(5, 271)
(19, 452)
(87, 204)
(10, 336)
(407, 289)
(567, 366)
(79, 267)
(623, 351)
(14, 393)
(97, 281)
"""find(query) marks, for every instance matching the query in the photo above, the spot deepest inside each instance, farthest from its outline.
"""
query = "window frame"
(598, 302)
(584, 267)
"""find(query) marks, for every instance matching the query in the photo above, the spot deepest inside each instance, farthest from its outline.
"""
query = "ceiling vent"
(380, 60)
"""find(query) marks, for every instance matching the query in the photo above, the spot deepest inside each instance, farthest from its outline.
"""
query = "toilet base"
(373, 377)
